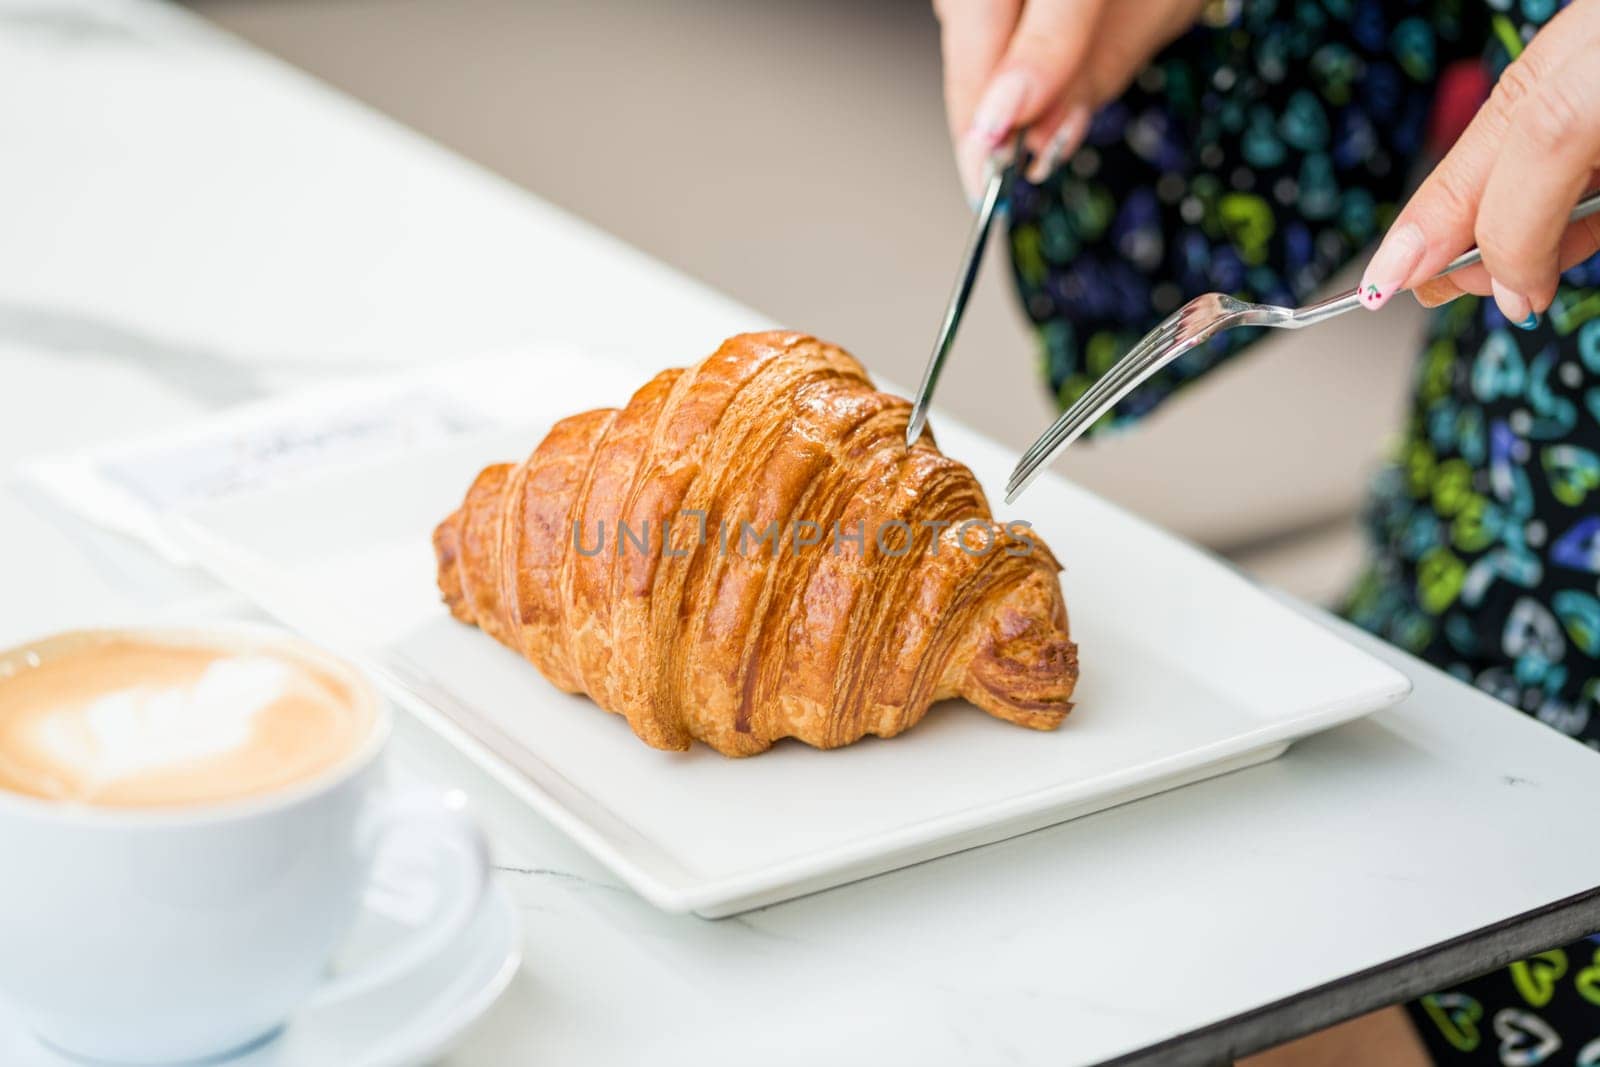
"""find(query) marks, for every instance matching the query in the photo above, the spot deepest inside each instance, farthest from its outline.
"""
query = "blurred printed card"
(133, 485)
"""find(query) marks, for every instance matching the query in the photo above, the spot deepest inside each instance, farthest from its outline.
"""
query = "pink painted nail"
(1065, 141)
(1391, 265)
(971, 156)
(997, 111)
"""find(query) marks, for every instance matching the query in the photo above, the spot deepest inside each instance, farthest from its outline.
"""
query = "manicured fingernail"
(997, 111)
(1391, 265)
(971, 157)
(1064, 142)
(1517, 308)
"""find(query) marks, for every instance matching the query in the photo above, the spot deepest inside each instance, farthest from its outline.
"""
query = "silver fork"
(1191, 325)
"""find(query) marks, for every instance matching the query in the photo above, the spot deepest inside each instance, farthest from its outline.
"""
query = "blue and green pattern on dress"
(1257, 159)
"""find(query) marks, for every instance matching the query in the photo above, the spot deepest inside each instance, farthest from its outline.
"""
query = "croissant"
(748, 551)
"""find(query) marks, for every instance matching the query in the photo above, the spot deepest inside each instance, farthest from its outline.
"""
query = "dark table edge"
(1401, 979)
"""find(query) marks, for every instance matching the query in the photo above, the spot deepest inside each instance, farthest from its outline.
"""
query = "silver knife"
(996, 171)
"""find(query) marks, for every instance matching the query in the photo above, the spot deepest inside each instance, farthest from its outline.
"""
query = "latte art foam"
(123, 721)
(151, 728)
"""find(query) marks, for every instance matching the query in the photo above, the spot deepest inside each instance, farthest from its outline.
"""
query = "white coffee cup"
(158, 935)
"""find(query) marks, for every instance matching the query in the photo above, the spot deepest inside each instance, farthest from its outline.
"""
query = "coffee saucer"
(413, 1021)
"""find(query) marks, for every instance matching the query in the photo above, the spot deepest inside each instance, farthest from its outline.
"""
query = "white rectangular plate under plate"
(1189, 670)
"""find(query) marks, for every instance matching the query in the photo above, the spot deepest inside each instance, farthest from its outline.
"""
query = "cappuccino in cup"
(122, 720)
(189, 820)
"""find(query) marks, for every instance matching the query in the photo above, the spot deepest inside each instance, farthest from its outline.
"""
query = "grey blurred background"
(793, 154)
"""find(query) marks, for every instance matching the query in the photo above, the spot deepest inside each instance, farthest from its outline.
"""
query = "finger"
(972, 36)
(1125, 45)
(1437, 223)
(1544, 166)
(1044, 54)
(1055, 137)
(1436, 292)
(1058, 132)
(1580, 241)
(1126, 38)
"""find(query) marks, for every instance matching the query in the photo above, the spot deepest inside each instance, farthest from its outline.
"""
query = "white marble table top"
(186, 223)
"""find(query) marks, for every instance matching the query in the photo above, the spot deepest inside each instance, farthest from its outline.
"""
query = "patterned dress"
(1256, 158)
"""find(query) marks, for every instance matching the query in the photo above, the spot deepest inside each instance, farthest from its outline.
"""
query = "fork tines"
(1148, 356)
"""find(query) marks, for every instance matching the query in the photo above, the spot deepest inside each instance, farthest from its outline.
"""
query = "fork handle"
(1334, 306)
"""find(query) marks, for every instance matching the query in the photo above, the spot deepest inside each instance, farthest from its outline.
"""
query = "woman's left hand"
(1509, 184)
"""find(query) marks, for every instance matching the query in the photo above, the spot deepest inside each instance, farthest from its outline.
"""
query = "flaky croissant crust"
(690, 632)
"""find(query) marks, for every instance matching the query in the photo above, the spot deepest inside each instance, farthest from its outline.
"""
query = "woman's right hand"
(1043, 64)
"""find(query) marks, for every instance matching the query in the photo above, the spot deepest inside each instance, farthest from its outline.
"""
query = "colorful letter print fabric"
(1256, 158)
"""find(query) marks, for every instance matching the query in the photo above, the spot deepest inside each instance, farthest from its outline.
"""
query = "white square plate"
(1189, 670)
